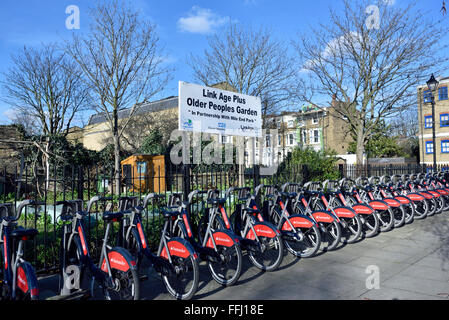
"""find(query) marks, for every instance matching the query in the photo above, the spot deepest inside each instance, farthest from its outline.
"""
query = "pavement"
(407, 263)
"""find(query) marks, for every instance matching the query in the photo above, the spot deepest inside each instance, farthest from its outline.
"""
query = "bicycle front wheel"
(386, 219)
(182, 281)
(226, 271)
(270, 255)
(122, 285)
(421, 209)
(308, 246)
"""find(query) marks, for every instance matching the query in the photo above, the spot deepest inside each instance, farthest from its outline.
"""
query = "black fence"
(70, 183)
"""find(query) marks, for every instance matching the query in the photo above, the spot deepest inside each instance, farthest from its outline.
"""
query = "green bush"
(321, 165)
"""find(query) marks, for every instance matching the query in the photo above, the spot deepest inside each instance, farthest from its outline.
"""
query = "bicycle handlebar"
(194, 193)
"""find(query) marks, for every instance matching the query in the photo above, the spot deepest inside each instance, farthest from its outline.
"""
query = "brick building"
(426, 146)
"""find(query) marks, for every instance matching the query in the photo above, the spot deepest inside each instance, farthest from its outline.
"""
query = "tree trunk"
(117, 164)
(360, 145)
(47, 164)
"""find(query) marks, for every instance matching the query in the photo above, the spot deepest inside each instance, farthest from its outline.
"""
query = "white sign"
(215, 111)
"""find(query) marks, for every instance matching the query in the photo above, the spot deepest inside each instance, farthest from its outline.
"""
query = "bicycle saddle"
(216, 201)
(111, 216)
(251, 211)
(169, 214)
(20, 233)
(291, 195)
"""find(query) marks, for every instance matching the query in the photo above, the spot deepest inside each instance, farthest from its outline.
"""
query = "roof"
(155, 106)
(441, 80)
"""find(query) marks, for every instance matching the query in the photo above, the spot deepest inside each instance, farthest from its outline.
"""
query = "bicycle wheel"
(330, 232)
(432, 207)
(270, 255)
(351, 227)
(446, 203)
(308, 246)
(399, 216)
(441, 203)
(182, 282)
(122, 284)
(370, 222)
(409, 212)
(227, 271)
(421, 208)
(386, 219)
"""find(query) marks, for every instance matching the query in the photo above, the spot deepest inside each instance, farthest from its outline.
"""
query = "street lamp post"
(432, 84)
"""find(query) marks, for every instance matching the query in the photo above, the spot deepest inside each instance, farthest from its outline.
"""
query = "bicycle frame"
(17, 273)
(74, 235)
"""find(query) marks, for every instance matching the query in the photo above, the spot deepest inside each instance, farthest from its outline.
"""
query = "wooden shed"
(144, 173)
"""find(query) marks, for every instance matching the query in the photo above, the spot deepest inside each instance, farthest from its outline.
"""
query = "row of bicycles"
(262, 224)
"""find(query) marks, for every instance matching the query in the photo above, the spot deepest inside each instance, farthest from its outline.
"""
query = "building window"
(141, 170)
(225, 139)
(315, 120)
(429, 147)
(291, 139)
(290, 124)
(428, 122)
(279, 140)
(316, 136)
(427, 96)
(444, 120)
(445, 146)
(279, 124)
(268, 142)
(442, 93)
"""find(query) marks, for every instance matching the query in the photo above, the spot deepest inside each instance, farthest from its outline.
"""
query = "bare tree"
(122, 60)
(250, 61)
(46, 86)
(370, 58)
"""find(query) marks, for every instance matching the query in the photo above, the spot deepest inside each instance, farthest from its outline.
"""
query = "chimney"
(334, 100)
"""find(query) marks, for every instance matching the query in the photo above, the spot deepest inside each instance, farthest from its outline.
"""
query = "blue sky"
(183, 26)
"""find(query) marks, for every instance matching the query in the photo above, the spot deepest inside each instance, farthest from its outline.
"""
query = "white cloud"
(8, 115)
(202, 21)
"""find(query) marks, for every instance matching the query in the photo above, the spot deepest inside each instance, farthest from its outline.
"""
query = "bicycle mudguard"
(379, 205)
(442, 192)
(345, 212)
(392, 202)
(222, 238)
(362, 208)
(27, 280)
(426, 195)
(119, 259)
(179, 247)
(263, 229)
(323, 216)
(416, 197)
(403, 199)
(298, 221)
(434, 193)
